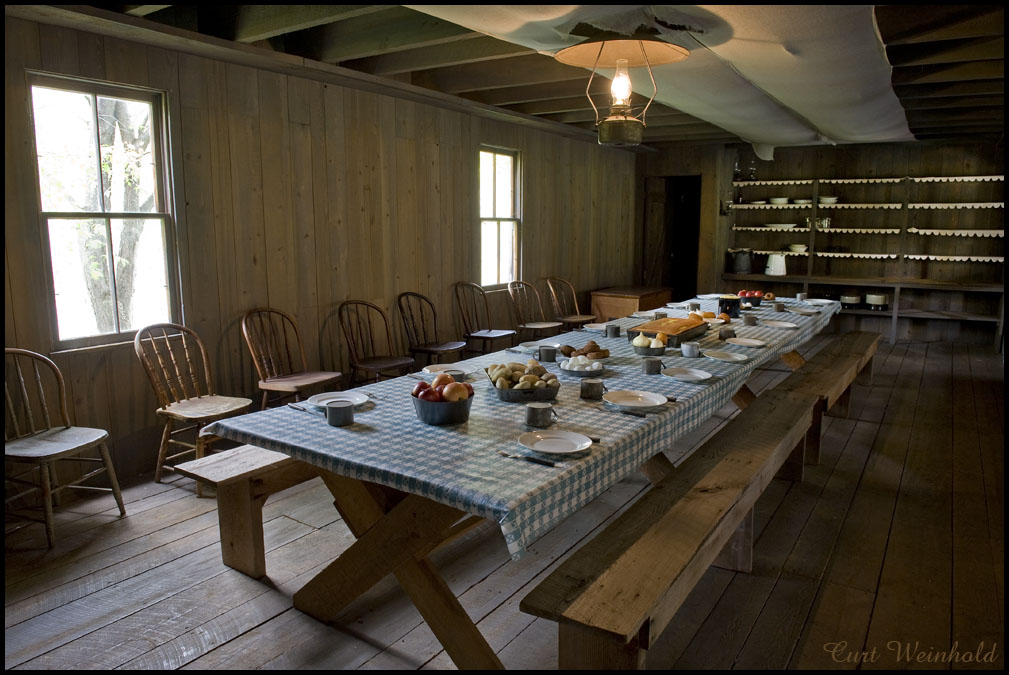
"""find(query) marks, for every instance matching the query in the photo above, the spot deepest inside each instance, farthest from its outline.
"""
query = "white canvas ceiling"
(774, 75)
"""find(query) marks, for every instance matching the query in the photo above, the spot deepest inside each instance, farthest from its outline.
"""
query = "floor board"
(895, 540)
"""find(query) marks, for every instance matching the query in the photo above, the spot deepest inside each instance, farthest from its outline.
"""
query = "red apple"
(441, 389)
(746, 294)
(455, 391)
(758, 294)
(430, 394)
(419, 387)
(742, 293)
(469, 387)
(442, 378)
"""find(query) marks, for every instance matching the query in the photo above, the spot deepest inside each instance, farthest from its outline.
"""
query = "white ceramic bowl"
(828, 200)
(797, 248)
(779, 200)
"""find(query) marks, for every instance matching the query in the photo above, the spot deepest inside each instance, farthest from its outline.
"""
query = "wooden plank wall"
(299, 194)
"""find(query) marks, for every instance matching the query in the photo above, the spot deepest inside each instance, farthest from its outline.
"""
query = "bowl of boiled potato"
(523, 382)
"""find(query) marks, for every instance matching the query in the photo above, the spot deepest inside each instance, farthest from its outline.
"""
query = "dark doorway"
(682, 235)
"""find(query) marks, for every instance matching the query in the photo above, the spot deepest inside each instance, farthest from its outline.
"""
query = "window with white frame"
(104, 208)
(499, 217)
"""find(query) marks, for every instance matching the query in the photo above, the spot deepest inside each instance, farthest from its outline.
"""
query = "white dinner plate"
(687, 374)
(714, 322)
(645, 314)
(778, 324)
(802, 312)
(759, 201)
(817, 301)
(787, 225)
(320, 400)
(601, 327)
(533, 346)
(709, 296)
(436, 368)
(555, 442)
(746, 342)
(728, 357)
(626, 398)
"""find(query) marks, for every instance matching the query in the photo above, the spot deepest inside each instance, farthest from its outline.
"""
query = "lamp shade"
(585, 53)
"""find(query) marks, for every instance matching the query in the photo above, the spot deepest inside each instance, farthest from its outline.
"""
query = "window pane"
(507, 252)
(486, 185)
(488, 253)
(141, 280)
(504, 197)
(124, 129)
(80, 259)
(65, 142)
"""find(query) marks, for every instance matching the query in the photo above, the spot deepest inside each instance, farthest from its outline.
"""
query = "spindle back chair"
(529, 310)
(420, 321)
(178, 369)
(369, 340)
(471, 301)
(278, 353)
(565, 303)
(37, 437)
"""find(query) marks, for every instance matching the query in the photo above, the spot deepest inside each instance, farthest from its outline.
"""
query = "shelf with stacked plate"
(925, 248)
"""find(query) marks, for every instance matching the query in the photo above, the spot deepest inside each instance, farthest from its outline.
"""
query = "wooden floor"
(891, 548)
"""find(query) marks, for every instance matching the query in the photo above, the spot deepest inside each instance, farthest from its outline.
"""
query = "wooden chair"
(279, 354)
(471, 301)
(32, 438)
(361, 323)
(565, 302)
(177, 366)
(529, 311)
(421, 324)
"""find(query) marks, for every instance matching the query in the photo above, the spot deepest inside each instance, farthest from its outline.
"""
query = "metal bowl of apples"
(444, 401)
(751, 298)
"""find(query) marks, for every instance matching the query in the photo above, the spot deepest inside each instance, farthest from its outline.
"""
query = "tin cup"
(612, 331)
(457, 375)
(651, 365)
(749, 320)
(801, 297)
(540, 414)
(340, 413)
(779, 307)
(694, 306)
(592, 388)
(546, 353)
(690, 350)
(660, 315)
(726, 333)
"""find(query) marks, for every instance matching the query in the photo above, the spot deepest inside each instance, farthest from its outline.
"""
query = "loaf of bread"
(670, 326)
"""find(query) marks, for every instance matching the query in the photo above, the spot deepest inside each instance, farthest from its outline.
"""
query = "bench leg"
(743, 397)
(842, 406)
(240, 515)
(657, 468)
(792, 469)
(813, 435)
(582, 648)
(737, 554)
(866, 374)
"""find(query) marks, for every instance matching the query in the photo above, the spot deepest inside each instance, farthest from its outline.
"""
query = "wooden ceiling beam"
(957, 72)
(389, 30)
(251, 23)
(504, 96)
(512, 72)
(944, 89)
(482, 48)
(968, 114)
(952, 102)
(908, 24)
(656, 117)
(142, 10)
(947, 51)
(560, 106)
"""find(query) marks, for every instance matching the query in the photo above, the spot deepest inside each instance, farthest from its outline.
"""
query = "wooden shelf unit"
(879, 246)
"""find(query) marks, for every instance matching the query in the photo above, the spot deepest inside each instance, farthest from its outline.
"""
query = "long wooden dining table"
(404, 488)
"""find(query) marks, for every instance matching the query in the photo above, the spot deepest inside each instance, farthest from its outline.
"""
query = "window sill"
(60, 351)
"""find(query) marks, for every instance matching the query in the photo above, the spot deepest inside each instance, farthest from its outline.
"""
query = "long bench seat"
(616, 594)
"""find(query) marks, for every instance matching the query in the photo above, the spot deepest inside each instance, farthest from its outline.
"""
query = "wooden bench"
(615, 595)
(244, 477)
(829, 375)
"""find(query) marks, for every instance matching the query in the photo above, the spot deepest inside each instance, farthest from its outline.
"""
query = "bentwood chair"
(176, 364)
(275, 344)
(369, 340)
(421, 324)
(529, 311)
(35, 441)
(565, 302)
(471, 301)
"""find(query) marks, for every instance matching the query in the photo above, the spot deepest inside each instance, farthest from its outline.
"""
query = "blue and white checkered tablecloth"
(459, 465)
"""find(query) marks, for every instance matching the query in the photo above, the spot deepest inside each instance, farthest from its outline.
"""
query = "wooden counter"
(612, 303)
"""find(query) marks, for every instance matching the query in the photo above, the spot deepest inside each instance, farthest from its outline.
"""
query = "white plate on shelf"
(785, 225)
(687, 374)
(746, 342)
(436, 368)
(727, 357)
(601, 327)
(759, 202)
(626, 398)
(773, 323)
(555, 442)
(321, 400)
(803, 201)
(817, 301)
